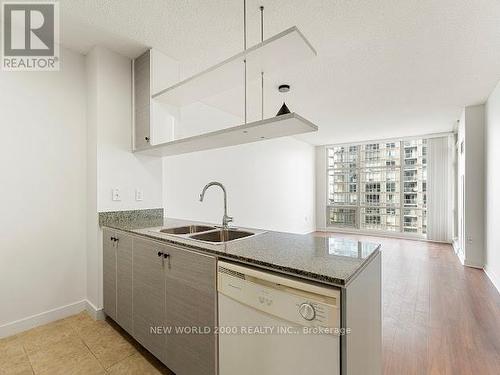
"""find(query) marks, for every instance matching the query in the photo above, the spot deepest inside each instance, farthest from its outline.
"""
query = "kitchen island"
(352, 267)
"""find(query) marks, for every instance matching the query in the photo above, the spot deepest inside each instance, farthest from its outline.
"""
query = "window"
(378, 186)
(343, 216)
(373, 187)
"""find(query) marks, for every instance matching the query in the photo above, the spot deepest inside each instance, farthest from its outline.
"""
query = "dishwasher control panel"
(298, 302)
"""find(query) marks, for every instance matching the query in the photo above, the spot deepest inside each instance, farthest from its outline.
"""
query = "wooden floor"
(438, 316)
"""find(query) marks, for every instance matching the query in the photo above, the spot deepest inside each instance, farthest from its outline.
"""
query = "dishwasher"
(275, 325)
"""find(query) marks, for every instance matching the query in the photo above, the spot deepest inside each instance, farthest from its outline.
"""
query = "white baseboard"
(495, 280)
(97, 314)
(62, 312)
(463, 259)
(33, 321)
(468, 263)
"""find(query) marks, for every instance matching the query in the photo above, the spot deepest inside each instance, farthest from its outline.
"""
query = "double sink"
(207, 233)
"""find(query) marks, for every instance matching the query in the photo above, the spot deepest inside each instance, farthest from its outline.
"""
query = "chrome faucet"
(225, 219)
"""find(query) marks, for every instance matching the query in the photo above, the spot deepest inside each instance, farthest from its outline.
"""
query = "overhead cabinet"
(274, 54)
(154, 291)
(142, 100)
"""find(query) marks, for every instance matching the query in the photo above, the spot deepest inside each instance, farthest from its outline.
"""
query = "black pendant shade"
(283, 110)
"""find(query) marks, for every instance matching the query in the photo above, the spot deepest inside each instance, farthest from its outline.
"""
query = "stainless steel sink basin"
(222, 235)
(187, 229)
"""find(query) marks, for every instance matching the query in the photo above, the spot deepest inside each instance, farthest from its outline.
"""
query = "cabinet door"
(124, 289)
(142, 100)
(191, 302)
(149, 295)
(109, 273)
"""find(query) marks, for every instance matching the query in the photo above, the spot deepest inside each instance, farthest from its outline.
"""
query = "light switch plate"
(139, 195)
(116, 195)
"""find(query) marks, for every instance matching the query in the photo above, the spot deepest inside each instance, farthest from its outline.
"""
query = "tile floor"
(76, 345)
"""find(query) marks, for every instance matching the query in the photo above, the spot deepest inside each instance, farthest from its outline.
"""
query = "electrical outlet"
(116, 195)
(139, 195)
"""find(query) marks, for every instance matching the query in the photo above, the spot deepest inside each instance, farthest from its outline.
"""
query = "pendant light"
(284, 109)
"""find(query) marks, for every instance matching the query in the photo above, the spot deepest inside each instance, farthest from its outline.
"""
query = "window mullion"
(401, 185)
(358, 188)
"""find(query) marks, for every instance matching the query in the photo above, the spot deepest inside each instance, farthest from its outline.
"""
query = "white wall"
(270, 185)
(117, 166)
(43, 189)
(109, 93)
(94, 252)
(471, 165)
(492, 187)
(461, 187)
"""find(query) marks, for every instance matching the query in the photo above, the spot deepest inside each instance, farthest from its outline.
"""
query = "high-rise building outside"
(378, 186)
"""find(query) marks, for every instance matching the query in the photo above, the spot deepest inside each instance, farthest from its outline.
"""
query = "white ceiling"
(384, 68)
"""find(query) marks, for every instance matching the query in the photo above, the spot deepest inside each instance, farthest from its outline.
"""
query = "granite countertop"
(332, 260)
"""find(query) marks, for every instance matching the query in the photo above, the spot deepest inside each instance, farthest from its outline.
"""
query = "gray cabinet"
(117, 278)
(150, 287)
(191, 302)
(109, 273)
(124, 306)
(149, 295)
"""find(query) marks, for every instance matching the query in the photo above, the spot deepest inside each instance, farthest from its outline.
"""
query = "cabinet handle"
(160, 253)
(166, 255)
